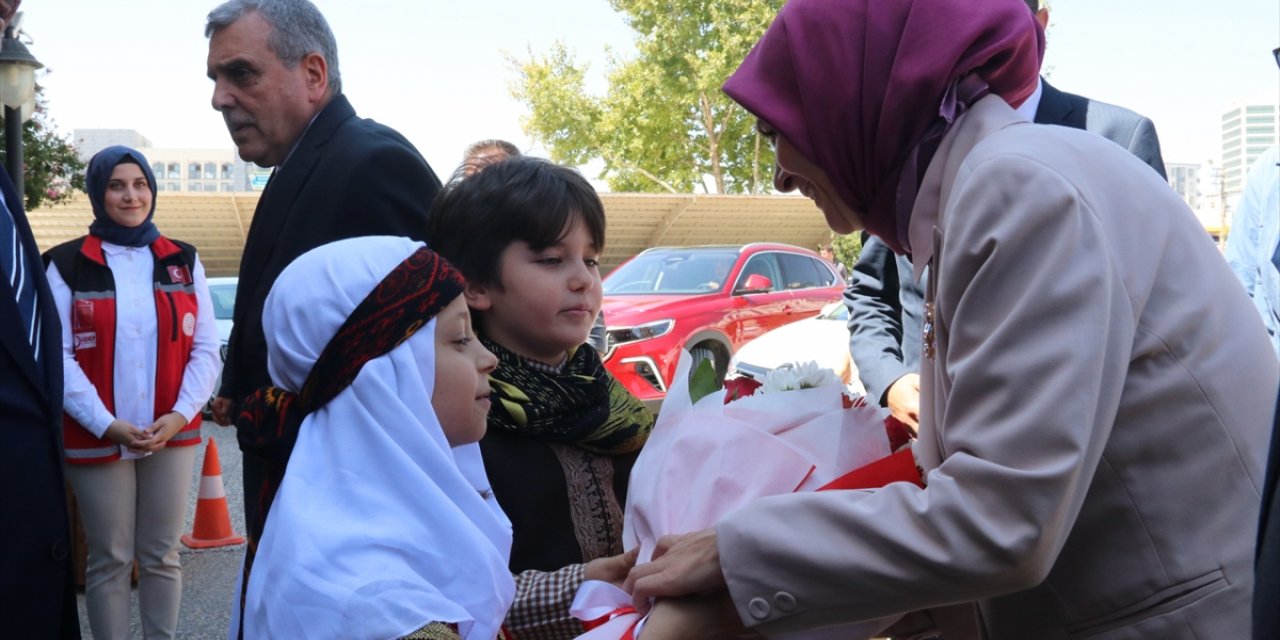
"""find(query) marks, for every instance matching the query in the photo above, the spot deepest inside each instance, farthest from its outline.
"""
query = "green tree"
(663, 124)
(52, 171)
(847, 248)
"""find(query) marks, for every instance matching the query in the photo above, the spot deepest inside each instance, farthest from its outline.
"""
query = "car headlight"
(646, 331)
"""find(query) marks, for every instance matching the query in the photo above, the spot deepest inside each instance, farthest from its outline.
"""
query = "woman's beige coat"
(1094, 420)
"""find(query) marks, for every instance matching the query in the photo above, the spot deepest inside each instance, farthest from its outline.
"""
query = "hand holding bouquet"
(711, 453)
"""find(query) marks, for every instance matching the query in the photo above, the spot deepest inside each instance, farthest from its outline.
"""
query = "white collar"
(113, 249)
(1029, 107)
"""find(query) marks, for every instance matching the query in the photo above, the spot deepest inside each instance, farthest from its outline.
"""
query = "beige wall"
(216, 223)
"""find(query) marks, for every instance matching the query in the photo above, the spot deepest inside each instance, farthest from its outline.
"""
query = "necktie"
(17, 267)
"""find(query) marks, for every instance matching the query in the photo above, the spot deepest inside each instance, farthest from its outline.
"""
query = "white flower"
(799, 375)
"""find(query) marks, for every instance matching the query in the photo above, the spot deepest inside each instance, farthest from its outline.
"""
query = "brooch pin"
(926, 332)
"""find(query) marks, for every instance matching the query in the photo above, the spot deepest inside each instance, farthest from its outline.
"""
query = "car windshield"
(835, 311)
(224, 300)
(672, 272)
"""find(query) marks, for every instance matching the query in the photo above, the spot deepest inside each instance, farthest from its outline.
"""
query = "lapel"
(12, 335)
(1057, 107)
(276, 204)
(984, 118)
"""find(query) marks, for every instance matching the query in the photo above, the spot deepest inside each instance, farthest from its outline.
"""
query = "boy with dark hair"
(563, 434)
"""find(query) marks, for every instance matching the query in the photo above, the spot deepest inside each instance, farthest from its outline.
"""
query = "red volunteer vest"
(83, 266)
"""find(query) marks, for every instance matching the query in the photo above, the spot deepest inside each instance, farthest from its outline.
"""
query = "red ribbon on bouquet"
(599, 603)
(588, 625)
(896, 467)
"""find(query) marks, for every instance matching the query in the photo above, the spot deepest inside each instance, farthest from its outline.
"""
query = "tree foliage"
(663, 124)
(847, 248)
(52, 170)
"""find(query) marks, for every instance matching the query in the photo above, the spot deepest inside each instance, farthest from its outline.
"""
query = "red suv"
(707, 299)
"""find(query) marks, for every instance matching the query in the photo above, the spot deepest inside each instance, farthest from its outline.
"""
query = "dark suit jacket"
(1266, 586)
(884, 300)
(347, 177)
(36, 596)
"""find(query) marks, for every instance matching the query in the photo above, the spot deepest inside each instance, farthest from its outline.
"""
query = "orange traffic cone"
(212, 527)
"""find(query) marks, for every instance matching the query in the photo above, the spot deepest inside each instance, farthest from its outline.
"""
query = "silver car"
(223, 292)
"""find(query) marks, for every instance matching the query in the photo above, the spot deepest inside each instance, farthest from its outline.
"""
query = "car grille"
(645, 371)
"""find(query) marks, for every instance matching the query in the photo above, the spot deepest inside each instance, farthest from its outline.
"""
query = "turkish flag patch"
(179, 274)
(82, 315)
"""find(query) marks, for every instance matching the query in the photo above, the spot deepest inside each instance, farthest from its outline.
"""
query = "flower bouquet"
(711, 453)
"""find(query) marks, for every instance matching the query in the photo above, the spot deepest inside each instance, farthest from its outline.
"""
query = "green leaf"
(703, 381)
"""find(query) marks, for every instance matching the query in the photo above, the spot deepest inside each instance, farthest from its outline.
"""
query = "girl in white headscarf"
(384, 525)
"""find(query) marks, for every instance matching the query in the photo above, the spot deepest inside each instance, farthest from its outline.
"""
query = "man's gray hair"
(297, 29)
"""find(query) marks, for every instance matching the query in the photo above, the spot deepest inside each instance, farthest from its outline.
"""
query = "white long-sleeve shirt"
(135, 347)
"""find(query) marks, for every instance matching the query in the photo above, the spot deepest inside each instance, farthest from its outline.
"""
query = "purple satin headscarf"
(857, 86)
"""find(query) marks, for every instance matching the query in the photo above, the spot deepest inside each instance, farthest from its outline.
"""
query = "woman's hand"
(682, 565)
(165, 427)
(903, 398)
(613, 569)
(125, 435)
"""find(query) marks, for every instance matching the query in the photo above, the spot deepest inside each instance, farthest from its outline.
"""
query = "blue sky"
(436, 70)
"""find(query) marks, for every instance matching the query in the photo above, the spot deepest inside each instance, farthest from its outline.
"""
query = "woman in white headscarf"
(381, 527)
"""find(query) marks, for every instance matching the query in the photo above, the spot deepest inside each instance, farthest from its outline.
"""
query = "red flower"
(853, 403)
(740, 387)
(899, 433)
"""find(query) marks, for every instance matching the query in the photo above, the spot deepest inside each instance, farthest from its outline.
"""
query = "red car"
(708, 299)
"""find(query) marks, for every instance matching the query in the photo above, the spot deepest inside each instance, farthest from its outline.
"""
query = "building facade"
(1247, 130)
(91, 141)
(181, 170)
(1185, 180)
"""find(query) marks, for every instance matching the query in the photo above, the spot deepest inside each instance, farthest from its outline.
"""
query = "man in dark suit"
(1266, 586)
(275, 70)
(884, 300)
(37, 599)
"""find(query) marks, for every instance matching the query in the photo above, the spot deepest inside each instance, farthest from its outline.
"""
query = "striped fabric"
(18, 269)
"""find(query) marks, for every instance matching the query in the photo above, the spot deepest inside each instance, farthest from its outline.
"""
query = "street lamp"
(18, 95)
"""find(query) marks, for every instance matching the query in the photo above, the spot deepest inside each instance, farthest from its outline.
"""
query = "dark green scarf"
(582, 405)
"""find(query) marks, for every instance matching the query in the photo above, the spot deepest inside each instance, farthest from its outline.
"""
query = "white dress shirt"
(1029, 106)
(135, 347)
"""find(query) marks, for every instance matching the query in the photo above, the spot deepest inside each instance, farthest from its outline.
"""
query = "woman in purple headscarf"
(1095, 392)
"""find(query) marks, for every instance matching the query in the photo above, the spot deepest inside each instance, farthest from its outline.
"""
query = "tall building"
(1247, 130)
(91, 141)
(190, 170)
(1185, 179)
(199, 170)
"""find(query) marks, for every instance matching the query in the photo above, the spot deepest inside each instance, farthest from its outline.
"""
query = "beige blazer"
(1094, 419)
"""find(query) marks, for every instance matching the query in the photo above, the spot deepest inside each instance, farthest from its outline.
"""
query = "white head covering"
(379, 526)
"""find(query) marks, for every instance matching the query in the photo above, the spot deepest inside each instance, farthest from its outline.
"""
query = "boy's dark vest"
(83, 266)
